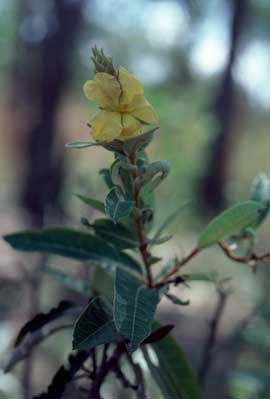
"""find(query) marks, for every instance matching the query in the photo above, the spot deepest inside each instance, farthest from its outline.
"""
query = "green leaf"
(102, 283)
(116, 206)
(138, 143)
(82, 144)
(73, 244)
(95, 326)
(200, 277)
(171, 218)
(134, 308)
(177, 301)
(260, 192)
(154, 173)
(230, 222)
(173, 374)
(68, 281)
(98, 205)
(106, 174)
(117, 234)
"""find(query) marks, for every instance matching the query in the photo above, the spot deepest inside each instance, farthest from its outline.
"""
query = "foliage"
(123, 295)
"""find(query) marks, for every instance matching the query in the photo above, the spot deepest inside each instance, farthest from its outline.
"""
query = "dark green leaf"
(177, 301)
(117, 234)
(73, 244)
(173, 373)
(106, 174)
(95, 326)
(231, 221)
(102, 283)
(116, 206)
(260, 192)
(134, 308)
(98, 205)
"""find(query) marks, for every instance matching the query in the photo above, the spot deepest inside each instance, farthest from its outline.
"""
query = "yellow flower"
(123, 108)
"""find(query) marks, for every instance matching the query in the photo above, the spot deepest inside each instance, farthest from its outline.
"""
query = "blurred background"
(205, 66)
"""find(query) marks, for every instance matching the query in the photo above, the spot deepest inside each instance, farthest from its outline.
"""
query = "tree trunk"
(214, 181)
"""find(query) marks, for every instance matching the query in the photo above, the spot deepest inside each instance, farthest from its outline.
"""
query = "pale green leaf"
(260, 192)
(231, 221)
(82, 144)
(98, 205)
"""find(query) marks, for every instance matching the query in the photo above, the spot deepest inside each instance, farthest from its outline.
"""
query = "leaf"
(68, 281)
(171, 218)
(82, 144)
(200, 277)
(173, 374)
(154, 173)
(64, 376)
(73, 244)
(158, 334)
(106, 174)
(177, 301)
(230, 222)
(102, 283)
(134, 308)
(41, 319)
(98, 205)
(116, 206)
(117, 234)
(260, 192)
(138, 143)
(95, 326)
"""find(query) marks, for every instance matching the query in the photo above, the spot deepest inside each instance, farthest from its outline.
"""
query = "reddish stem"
(140, 228)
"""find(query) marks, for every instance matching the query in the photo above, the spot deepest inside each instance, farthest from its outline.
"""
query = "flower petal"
(104, 90)
(130, 127)
(130, 86)
(142, 110)
(106, 126)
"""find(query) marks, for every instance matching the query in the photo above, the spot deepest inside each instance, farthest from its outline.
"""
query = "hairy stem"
(143, 244)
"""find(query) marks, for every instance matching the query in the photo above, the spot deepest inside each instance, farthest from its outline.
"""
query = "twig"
(178, 264)
(142, 240)
(107, 365)
(25, 349)
(208, 350)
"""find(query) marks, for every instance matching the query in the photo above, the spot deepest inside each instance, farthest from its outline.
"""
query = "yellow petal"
(131, 127)
(130, 86)
(106, 126)
(142, 110)
(104, 90)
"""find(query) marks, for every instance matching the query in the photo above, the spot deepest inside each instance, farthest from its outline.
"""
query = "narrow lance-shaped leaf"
(95, 326)
(68, 280)
(173, 374)
(82, 144)
(134, 308)
(231, 221)
(116, 206)
(73, 244)
(98, 205)
(116, 233)
(260, 192)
